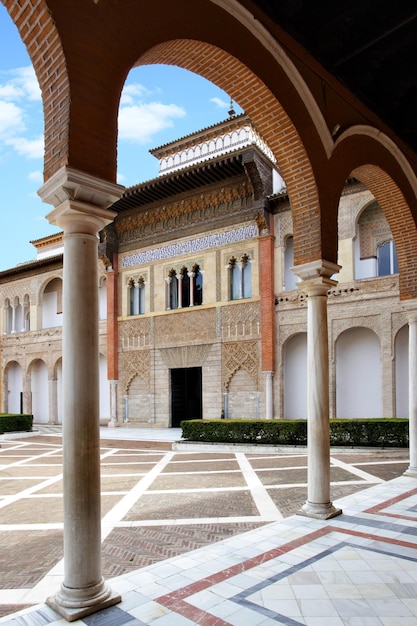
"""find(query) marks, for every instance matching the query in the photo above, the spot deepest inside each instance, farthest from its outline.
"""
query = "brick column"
(268, 333)
(316, 280)
(80, 202)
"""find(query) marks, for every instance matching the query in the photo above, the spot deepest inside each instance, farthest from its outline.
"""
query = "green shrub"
(10, 422)
(343, 432)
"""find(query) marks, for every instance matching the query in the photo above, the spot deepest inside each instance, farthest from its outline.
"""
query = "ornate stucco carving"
(194, 209)
(185, 356)
(240, 355)
(136, 363)
(240, 320)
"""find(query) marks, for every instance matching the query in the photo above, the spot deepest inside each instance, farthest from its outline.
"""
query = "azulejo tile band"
(191, 246)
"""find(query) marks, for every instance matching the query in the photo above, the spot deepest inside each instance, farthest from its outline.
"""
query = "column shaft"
(412, 393)
(316, 281)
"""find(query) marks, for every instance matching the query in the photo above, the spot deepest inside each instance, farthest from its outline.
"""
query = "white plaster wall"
(358, 374)
(59, 391)
(295, 377)
(39, 388)
(14, 387)
(290, 279)
(102, 301)
(104, 389)
(364, 268)
(401, 372)
(50, 317)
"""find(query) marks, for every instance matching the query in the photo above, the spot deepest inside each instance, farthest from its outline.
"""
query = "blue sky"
(158, 104)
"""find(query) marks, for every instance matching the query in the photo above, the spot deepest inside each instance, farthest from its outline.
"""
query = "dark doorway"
(186, 395)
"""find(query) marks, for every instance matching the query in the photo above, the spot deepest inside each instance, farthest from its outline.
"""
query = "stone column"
(316, 280)
(269, 404)
(180, 278)
(27, 394)
(79, 202)
(53, 401)
(168, 281)
(412, 387)
(113, 403)
(191, 276)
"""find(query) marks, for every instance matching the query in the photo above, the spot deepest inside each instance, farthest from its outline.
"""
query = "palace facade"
(200, 313)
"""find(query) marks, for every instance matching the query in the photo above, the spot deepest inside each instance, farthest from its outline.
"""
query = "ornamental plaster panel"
(135, 333)
(185, 326)
(185, 356)
(350, 208)
(136, 363)
(238, 355)
(241, 320)
(284, 230)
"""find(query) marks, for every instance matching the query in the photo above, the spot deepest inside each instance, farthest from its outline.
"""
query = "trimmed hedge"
(382, 433)
(11, 423)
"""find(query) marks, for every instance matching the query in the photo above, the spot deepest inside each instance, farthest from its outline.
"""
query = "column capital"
(71, 184)
(316, 276)
(79, 217)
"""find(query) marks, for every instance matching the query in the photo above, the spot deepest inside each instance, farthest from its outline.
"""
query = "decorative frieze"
(191, 246)
(208, 206)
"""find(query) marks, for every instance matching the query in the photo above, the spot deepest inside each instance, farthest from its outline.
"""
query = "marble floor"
(357, 569)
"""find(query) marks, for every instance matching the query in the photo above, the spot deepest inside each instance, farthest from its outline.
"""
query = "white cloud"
(16, 92)
(11, 119)
(140, 122)
(36, 177)
(31, 148)
(22, 84)
(219, 103)
(131, 92)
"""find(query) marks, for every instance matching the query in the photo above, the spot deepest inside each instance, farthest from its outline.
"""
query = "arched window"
(240, 277)
(290, 279)
(172, 282)
(52, 304)
(198, 285)
(246, 276)
(387, 259)
(184, 289)
(136, 296)
(7, 317)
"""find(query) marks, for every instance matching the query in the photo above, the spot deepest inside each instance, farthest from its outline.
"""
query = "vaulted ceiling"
(368, 45)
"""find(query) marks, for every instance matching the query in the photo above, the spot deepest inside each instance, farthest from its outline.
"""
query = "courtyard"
(157, 502)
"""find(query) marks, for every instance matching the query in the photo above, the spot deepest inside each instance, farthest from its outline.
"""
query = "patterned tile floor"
(358, 569)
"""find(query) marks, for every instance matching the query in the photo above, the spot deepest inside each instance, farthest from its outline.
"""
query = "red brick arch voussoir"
(371, 157)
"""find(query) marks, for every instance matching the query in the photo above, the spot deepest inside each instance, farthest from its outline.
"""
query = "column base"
(411, 471)
(74, 604)
(319, 511)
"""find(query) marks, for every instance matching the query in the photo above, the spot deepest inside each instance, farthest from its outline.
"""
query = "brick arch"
(270, 118)
(403, 227)
(377, 162)
(39, 33)
(93, 47)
